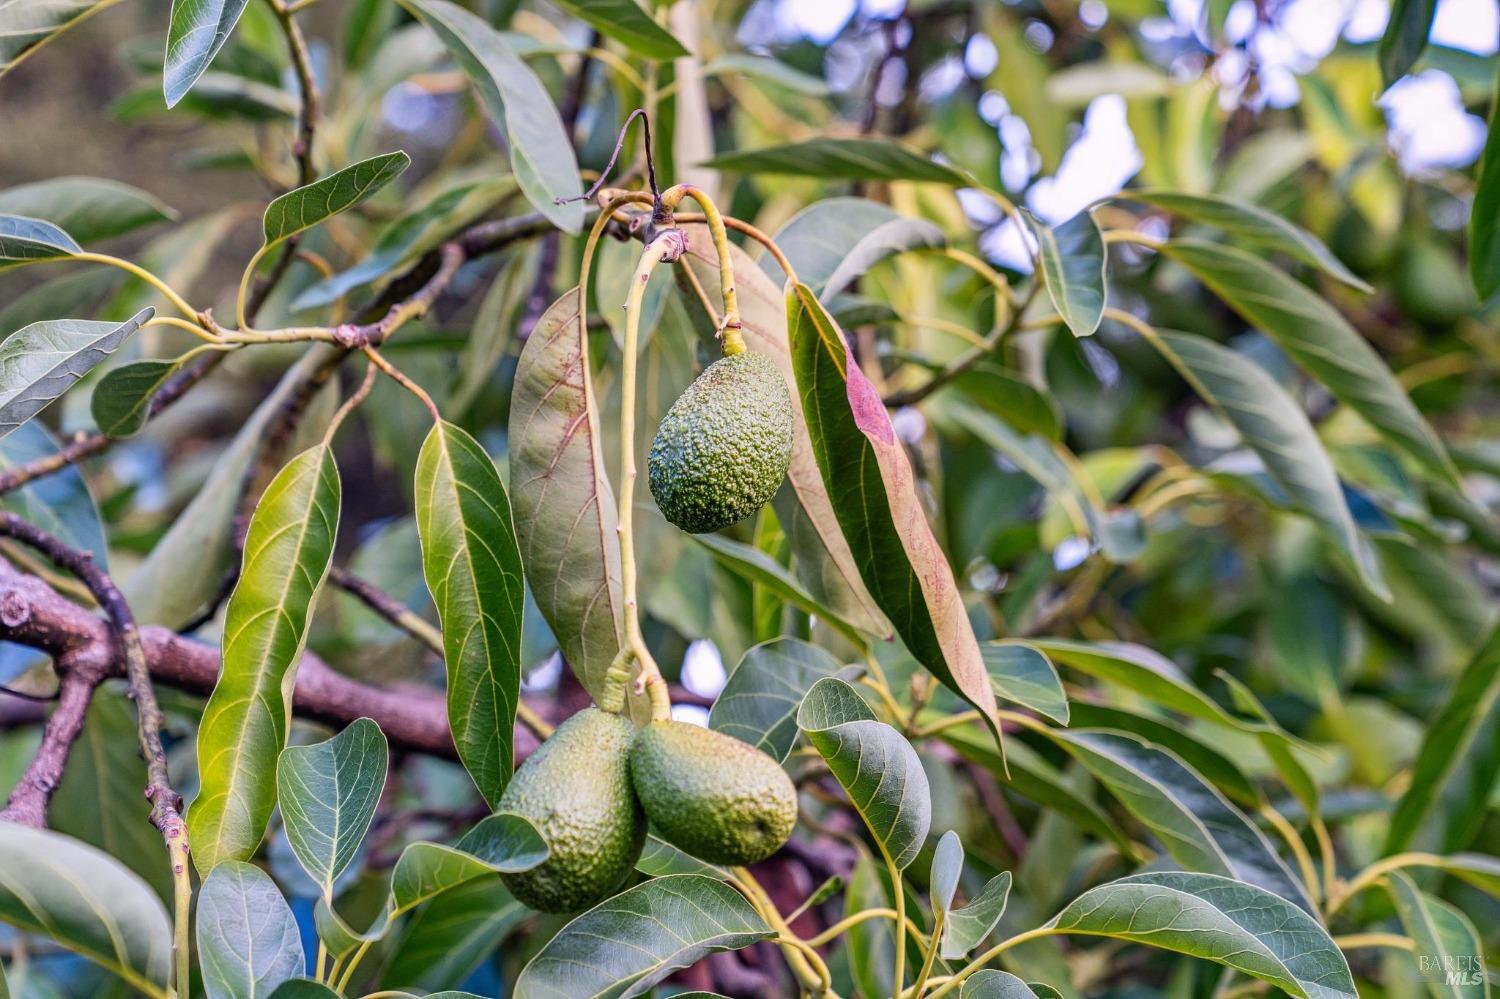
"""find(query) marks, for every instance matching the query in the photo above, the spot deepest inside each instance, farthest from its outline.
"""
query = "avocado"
(724, 446)
(711, 795)
(1430, 284)
(576, 790)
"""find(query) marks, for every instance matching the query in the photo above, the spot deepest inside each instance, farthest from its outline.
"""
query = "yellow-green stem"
(979, 962)
(932, 949)
(1299, 851)
(730, 325)
(1372, 874)
(899, 977)
(167, 292)
(353, 965)
(244, 293)
(1355, 941)
(806, 965)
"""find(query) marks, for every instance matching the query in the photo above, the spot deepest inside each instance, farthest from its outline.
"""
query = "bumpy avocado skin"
(576, 790)
(724, 446)
(711, 795)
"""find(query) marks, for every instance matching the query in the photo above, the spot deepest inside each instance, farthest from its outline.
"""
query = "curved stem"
(899, 978)
(805, 962)
(1354, 941)
(167, 292)
(730, 325)
(243, 296)
(932, 949)
(979, 962)
(399, 378)
(1299, 851)
(1372, 874)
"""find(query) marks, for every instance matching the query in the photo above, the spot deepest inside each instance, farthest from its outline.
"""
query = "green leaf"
(324, 198)
(24, 239)
(759, 702)
(541, 154)
(947, 868)
(1022, 673)
(1484, 235)
(303, 988)
(328, 793)
(1218, 919)
(626, 23)
(501, 843)
(967, 927)
(756, 566)
(496, 325)
(873, 763)
(26, 25)
(871, 944)
(472, 565)
(198, 30)
(60, 504)
(1448, 745)
(1293, 774)
(248, 941)
(1253, 224)
(1440, 932)
(993, 984)
(618, 948)
(121, 402)
(1169, 733)
(339, 938)
(42, 361)
(842, 159)
(831, 243)
(451, 936)
(1405, 37)
(60, 888)
(876, 500)
(1072, 258)
(659, 859)
(87, 208)
(1028, 409)
(1320, 340)
(565, 510)
(288, 549)
(1196, 825)
(1273, 425)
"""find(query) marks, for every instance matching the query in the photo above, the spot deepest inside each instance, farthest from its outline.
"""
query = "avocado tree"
(1066, 561)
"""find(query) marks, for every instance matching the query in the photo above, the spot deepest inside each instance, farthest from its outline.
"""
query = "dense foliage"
(1121, 621)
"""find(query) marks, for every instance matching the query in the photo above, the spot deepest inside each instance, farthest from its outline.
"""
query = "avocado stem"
(668, 245)
(729, 327)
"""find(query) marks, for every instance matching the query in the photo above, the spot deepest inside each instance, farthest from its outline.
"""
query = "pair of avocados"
(592, 787)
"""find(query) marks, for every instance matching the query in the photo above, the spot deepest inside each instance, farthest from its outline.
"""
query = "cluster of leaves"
(1144, 592)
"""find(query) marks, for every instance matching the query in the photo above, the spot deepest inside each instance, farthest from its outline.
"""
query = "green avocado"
(724, 446)
(711, 795)
(1430, 284)
(576, 790)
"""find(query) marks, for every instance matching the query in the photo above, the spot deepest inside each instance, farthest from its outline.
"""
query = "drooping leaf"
(759, 702)
(841, 159)
(23, 239)
(873, 763)
(324, 198)
(60, 504)
(1073, 263)
(1253, 224)
(628, 24)
(541, 155)
(1405, 37)
(1196, 825)
(1023, 673)
(1484, 214)
(1294, 775)
(825, 563)
(288, 549)
(501, 843)
(328, 793)
(86, 208)
(1438, 928)
(1027, 408)
(1320, 340)
(1218, 919)
(867, 473)
(472, 564)
(42, 361)
(58, 887)
(832, 242)
(968, 925)
(770, 69)
(565, 510)
(25, 25)
(198, 30)
(1449, 745)
(1273, 425)
(1168, 733)
(659, 859)
(339, 938)
(618, 948)
(756, 566)
(121, 401)
(248, 942)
